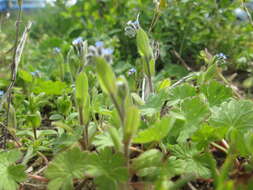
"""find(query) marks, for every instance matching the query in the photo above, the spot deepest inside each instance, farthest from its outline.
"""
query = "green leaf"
(148, 161)
(50, 87)
(132, 121)
(163, 84)
(10, 173)
(233, 114)
(105, 183)
(143, 44)
(181, 92)
(208, 74)
(206, 134)
(107, 138)
(154, 103)
(116, 137)
(65, 167)
(194, 110)
(107, 164)
(157, 132)
(215, 92)
(26, 76)
(106, 77)
(82, 88)
(192, 160)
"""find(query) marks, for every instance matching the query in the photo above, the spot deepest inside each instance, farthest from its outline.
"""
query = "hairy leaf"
(180, 92)
(192, 160)
(155, 133)
(107, 164)
(10, 173)
(65, 167)
(233, 114)
(216, 93)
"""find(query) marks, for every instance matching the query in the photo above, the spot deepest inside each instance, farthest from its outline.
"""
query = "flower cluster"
(96, 50)
(80, 46)
(221, 56)
(131, 71)
(99, 50)
(156, 49)
(132, 27)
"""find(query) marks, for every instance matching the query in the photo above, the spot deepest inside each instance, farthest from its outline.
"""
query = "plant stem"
(84, 141)
(219, 147)
(35, 133)
(118, 108)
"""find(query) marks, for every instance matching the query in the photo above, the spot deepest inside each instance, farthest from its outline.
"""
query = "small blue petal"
(77, 41)
(57, 50)
(107, 51)
(99, 44)
(131, 71)
(35, 73)
(221, 56)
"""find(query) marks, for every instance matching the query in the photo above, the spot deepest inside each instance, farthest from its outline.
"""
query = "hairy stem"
(84, 141)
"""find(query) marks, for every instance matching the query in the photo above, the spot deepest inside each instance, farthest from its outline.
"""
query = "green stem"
(35, 133)
(84, 141)
(219, 147)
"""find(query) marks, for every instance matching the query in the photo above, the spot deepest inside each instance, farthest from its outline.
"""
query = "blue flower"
(99, 44)
(131, 71)
(241, 14)
(132, 27)
(35, 73)
(107, 51)
(77, 41)
(221, 56)
(57, 50)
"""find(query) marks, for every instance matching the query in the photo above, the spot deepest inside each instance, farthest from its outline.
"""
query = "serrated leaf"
(233, 114)
(149, 160)
(105, 183)
(10, 173)
(107, 164)
(181, 92)
(192, 160)
(105, 139)
(216, 93)
(65, 167)
(155, 133)
(206, 134)
(194, 110)
(154, 103)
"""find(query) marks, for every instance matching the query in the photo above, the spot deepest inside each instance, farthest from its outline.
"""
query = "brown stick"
(181, 60)
(39, 178)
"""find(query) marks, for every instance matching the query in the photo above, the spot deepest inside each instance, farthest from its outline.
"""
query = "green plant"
(92, 124)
